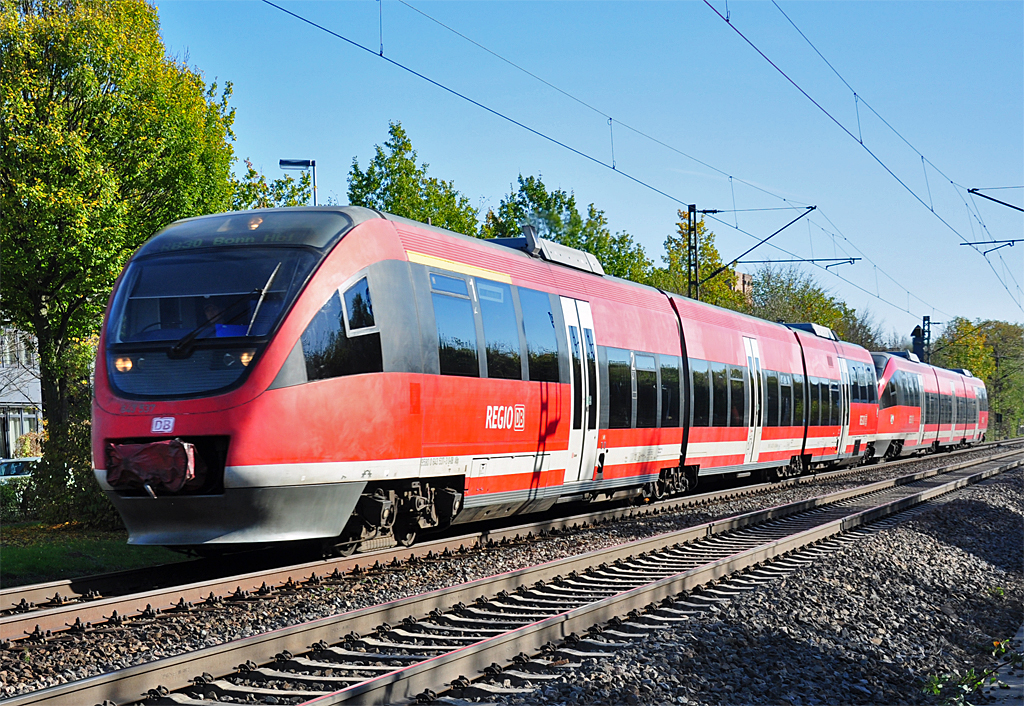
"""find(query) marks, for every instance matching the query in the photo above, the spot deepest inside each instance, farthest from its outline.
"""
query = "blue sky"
(949, 76)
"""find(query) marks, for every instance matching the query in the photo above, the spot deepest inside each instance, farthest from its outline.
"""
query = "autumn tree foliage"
(719, 290)
(104, 139)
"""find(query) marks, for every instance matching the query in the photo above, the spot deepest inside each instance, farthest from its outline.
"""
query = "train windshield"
(212, 294)
(185, 323)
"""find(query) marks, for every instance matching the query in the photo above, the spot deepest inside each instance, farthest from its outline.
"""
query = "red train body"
(346, 375)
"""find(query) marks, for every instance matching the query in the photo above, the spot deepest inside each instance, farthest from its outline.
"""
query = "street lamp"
(301, 164)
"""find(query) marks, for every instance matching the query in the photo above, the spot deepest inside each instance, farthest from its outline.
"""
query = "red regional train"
(349, 376)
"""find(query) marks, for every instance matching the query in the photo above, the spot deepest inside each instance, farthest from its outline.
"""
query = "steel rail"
(104, 585)
(405, 684)
(126, 686)
(16, 626)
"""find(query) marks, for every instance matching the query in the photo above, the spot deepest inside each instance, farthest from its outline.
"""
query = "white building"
(21, 399)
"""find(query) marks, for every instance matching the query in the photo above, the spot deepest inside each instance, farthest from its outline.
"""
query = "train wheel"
(405, 536)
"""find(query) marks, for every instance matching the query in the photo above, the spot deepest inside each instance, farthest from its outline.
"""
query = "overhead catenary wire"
(855, 138)
(735, 225)
(568, 147)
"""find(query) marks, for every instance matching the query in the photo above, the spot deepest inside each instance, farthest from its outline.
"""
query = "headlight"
(123, 365)
(245, 357)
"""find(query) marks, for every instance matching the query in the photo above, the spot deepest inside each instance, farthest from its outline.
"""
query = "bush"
(30, 444)
(17, 499)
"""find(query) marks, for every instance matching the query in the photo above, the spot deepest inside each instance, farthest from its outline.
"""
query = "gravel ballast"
(75, 657)
(865, 625)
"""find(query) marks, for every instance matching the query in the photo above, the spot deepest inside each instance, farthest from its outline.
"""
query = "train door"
(952, 414)
(579, 331)
(919, 397)
(754, 397)
(844, 406)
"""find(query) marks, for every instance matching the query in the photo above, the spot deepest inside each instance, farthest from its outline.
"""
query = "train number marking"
(162, 425)
(129, 408)
(506, 417)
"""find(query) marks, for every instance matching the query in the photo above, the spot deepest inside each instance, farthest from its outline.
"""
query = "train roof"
(322, 227)
(884, 356)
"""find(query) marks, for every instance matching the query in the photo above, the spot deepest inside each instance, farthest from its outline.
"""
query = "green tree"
(394, 183)
(556, 217)
(1006, 383)
(963, 345)
(787, 294)
(675, 275)
(104, 139)
(253, 191)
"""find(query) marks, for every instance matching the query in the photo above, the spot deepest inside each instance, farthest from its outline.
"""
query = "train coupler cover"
(170, 465)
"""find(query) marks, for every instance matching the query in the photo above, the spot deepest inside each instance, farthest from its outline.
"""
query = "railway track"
(43, 610)
(402, 650)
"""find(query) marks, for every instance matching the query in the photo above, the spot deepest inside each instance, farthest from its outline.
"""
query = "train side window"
(720, 383)
(825, 404)
(358, 307)
(541, 342)
(620, 389)
(576, 358)
(872, 385)
(738, 416)
(771, 381)
(448, 285)
(786, 400)
(501, 330)
(456, 326)
(814, 401)
(798, 400)
(646, 391)
(835, 412)
(701, 393)
(862, 383)
(591, 353)
(669, 391)
(329, 353)
(858, 390)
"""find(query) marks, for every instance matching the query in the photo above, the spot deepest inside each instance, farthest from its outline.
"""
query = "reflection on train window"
(646, 391)
(541, 343)
(737, 398)
(798, 400)
(329, 353)
(620, 389)
(576, 357)
(588, 339)
(449, 285)
(358, 307)
(813, 402)
(834, 409)
(456, 335)
(785, 400)
(501, 331)
(669, 391)
(771, 382)
(720, 389)
(701, 393)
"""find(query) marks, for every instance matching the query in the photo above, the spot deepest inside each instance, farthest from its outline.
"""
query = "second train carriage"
(342, 374)
(926, 407)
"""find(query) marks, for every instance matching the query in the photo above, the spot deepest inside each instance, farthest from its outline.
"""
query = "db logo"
(506, 417)
(162, 425)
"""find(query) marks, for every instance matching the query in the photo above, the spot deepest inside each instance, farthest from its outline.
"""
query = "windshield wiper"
(263, 293)
(182, 348)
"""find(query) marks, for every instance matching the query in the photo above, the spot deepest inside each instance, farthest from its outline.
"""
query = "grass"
(33, 552)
